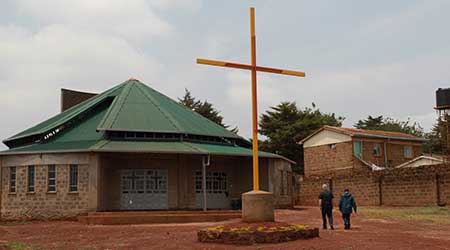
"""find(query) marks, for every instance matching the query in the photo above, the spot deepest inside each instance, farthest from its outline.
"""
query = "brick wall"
(395, 152)
(41, 204)
(422, 186)
(322, 159)
(325, 159)
(368, 155)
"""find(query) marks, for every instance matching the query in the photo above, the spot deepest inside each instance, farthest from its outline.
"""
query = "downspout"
(438, 190)
(385, 155)
(205, 163)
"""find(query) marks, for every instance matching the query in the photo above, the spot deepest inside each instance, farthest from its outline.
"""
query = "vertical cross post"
(254, 102)
(253, 68)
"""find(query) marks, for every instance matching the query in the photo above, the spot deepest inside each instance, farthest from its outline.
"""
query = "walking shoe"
(332, 228)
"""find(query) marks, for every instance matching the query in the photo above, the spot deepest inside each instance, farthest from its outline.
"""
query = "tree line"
(285, 124)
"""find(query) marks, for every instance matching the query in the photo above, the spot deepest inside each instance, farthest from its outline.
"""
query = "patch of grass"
(20, 246)
(435, 215)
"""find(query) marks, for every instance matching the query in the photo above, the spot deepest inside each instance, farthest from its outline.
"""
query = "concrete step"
(127, 218)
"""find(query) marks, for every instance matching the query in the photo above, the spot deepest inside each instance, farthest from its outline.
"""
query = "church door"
(144, 189)
(217, 193)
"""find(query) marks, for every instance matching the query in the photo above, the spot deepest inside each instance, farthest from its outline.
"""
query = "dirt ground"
(366, 234)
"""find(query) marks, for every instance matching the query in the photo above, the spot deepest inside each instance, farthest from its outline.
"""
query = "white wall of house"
(325, 137)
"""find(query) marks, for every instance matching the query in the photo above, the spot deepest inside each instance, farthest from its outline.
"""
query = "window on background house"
(30, 178)
(357, 149)
(51, 178)
(408, 151)
(377, 149)
(12, 179)
(73, 178)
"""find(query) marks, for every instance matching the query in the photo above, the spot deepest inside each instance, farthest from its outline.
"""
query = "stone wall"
(99, 181)
(422, 186)
(41, 204)
(281, 183)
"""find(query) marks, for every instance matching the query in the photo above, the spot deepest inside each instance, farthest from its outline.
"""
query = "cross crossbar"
(249, 67)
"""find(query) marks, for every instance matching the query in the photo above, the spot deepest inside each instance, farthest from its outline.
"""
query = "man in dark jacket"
(326, 206)
(346, 205)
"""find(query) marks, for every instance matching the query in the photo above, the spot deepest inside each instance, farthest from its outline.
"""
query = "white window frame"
(73, 187)
(13, 187)
(31, 182)
(51, 179)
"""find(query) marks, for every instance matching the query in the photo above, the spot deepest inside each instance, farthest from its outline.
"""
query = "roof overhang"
(175, 147)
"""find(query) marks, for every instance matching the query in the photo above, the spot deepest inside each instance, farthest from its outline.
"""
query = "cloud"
(193, 5)
(134, 20)
(35, 66)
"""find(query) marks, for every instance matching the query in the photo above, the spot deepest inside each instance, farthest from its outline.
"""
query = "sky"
(361, 57)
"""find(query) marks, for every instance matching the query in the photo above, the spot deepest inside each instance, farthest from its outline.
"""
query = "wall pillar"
(94, 177)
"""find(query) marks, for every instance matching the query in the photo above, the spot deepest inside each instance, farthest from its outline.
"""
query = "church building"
(130, 148)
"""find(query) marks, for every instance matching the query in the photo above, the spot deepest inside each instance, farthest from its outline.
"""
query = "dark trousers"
(327, 212)
(346, 218)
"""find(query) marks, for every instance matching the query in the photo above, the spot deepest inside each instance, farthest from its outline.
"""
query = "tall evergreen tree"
(389, 124)
(204, 108)
(285, 125)
(437, 138)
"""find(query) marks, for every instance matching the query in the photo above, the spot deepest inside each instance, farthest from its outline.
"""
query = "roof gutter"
(389, 137)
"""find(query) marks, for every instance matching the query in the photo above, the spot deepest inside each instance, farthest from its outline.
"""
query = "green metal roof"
(174, 147)
(135, 107)
(128, 107)
(162, 114)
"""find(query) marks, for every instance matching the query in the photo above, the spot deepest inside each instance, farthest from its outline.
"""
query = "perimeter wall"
(421, 186)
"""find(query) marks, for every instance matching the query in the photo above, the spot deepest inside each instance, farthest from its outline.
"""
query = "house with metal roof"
(130, 148)
(332, 149)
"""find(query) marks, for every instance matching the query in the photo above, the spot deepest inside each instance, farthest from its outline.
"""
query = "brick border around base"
(251, 237)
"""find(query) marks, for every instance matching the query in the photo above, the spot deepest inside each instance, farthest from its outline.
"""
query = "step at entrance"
(156, 217)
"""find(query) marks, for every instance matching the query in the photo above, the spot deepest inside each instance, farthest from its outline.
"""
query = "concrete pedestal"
(257, 207)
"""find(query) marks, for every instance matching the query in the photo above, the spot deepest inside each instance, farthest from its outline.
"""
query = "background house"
(379, 168)
(331, 149)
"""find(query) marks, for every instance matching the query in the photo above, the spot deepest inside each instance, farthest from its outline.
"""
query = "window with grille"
(73, 178)
(31, 178)
(51, 178)
(376, 149)
(12, 179)
(216, 182)
(150, 181)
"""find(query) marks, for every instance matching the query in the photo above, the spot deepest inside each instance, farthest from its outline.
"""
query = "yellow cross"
(254, 68)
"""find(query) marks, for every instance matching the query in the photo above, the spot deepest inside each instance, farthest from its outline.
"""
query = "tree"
(205, 109)
(437, 138)
(389, 124)
(285, 125)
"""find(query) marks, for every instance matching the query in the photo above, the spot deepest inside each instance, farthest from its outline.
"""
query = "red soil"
(366, 234)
